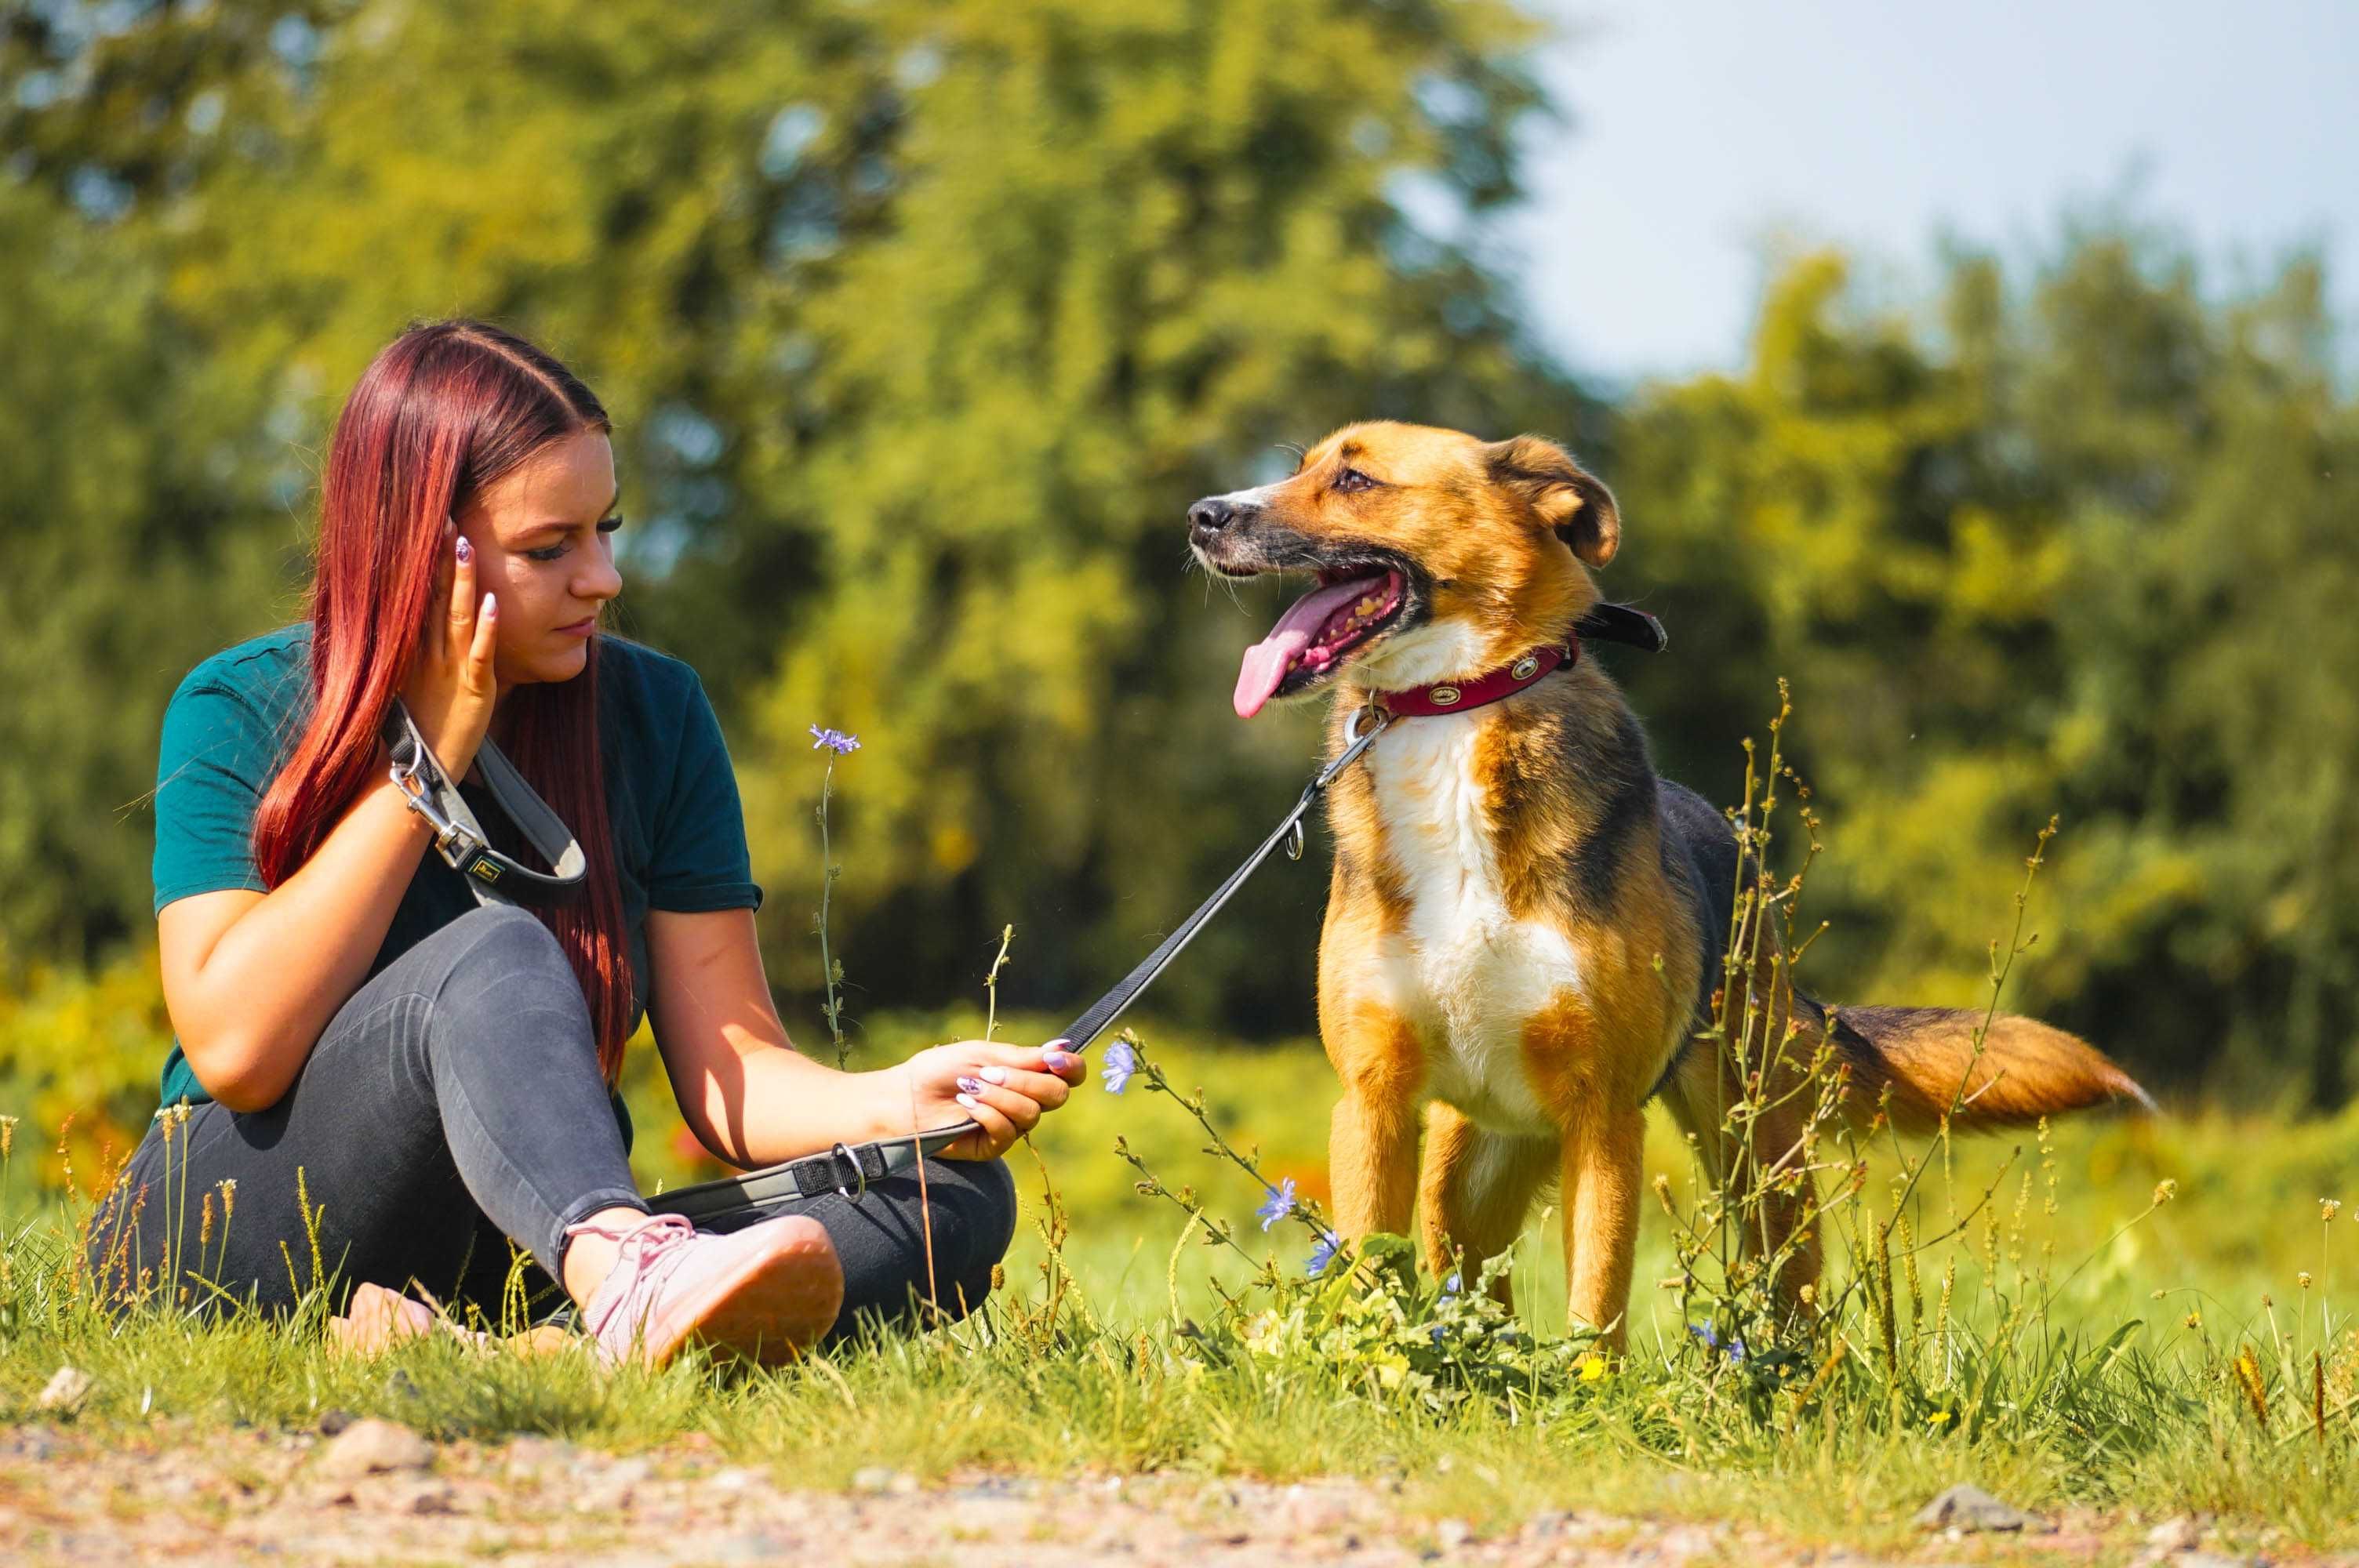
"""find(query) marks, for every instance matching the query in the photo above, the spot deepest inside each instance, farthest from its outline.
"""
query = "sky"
(1704, 134)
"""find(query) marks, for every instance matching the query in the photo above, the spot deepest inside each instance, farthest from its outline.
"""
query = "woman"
(374, 1060)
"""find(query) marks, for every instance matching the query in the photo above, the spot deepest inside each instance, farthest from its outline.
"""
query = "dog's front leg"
(1603, 1155)
(1372, 1147)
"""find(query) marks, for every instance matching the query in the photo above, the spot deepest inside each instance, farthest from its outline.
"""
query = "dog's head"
(1438, 556)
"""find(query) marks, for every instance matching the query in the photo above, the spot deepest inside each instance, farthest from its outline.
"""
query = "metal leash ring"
(859, 1175)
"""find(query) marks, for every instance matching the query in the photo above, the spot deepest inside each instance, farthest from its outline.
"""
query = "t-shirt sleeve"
(699, 860)
(211, 769)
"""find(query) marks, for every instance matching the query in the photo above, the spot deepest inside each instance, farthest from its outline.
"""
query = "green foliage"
(922, 323)
(2078, 544)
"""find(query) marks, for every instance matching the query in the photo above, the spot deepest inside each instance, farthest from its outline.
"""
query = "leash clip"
(453, 840)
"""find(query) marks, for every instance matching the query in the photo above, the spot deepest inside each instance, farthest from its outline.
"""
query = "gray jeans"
(453, 1103)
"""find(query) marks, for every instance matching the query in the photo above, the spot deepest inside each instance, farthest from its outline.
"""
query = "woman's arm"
(753, 1100)
(252, 978)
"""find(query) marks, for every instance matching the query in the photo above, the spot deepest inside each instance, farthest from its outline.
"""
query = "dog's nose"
(1211, 515)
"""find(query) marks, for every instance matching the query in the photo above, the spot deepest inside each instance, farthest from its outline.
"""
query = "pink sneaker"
(763, 1292)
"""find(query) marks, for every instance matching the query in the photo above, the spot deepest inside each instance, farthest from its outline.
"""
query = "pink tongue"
(1267, 662)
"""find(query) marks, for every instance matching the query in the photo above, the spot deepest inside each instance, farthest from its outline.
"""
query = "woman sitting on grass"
(439, 1075)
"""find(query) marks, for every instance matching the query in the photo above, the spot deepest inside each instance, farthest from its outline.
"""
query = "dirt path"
(377, 1495)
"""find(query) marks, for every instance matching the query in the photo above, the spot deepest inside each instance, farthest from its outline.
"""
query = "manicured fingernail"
(970, 1086)
(994, 1075)
(491, 604)
(1056, 1061)
(466, 551)
(968, 1101)
(1058, 1043)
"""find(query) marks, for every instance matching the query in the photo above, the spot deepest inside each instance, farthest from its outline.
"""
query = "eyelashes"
(551, 552)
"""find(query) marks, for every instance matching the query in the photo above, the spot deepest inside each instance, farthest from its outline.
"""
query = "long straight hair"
(445, 410)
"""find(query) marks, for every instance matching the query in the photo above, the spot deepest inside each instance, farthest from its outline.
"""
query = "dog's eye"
(1352, 480)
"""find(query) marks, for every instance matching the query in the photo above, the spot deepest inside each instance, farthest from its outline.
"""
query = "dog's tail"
(1926, 1055)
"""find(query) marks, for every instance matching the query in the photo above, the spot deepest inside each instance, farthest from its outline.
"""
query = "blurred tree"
(2083, 549)
(135, 543)
(923, 323)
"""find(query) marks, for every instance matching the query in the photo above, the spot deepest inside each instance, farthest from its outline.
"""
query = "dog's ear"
(1567, 497)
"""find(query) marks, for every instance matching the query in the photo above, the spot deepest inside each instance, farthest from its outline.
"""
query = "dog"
(1525, 927)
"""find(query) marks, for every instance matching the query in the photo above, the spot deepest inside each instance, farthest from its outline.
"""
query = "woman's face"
(542, 541)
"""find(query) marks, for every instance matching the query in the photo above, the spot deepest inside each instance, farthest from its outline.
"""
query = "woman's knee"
(991, 1227)
(498, 947)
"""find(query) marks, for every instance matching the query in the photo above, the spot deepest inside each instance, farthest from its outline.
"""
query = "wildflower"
(2163, 1191)
(2195, 1318)
(1280, 1204)
(2304, 1278)
(1940, 1418)
(229, 1197)
(1121, 1063)
(7, 1135)
(1592, 1368)
(835, 741)
(2328, 1207)
(1733, 1349)
(1452, 1285)
(1323, 1254)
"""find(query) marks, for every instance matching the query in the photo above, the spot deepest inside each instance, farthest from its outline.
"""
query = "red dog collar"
(1458, 696)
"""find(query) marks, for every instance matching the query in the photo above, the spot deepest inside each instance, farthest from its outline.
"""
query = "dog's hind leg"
(1755, 1160)
(1475, 1189)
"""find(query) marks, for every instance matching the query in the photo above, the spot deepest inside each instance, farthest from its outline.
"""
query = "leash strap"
(848, 1169)
(1367, 725)
(458, 836)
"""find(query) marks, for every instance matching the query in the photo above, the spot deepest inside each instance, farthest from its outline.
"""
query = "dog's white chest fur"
(1467, 974)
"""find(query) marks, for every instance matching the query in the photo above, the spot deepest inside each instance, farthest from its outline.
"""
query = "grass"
(2151, 1419)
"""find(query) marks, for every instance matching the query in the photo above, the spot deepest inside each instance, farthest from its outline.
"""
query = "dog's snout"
(1210, 515)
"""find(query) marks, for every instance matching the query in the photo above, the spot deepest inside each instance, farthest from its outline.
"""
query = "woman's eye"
(551, 552)
(1352, 479)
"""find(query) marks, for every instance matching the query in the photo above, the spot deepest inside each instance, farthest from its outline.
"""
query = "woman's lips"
(582, 627)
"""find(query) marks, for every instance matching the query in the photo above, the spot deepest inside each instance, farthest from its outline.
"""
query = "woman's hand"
(450, 689)
(1004, 1088)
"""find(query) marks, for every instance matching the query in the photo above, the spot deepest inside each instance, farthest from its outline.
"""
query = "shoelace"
(650, 1250)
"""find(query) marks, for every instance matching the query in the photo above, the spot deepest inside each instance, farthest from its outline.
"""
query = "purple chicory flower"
(1733, 1349)
(1452, 1285)
(1280, 1204)
(835, 741)
(1323, 1254)
(1121, 1062)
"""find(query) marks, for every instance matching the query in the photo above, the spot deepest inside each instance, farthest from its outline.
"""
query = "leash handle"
(458, 836)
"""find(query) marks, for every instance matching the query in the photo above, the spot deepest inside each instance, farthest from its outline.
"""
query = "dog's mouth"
(1352, 604)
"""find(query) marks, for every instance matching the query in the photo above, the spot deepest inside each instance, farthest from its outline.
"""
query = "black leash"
(495, 878)
(848, 1169)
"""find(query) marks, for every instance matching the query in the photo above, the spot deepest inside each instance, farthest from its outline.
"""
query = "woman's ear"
(1566, 497)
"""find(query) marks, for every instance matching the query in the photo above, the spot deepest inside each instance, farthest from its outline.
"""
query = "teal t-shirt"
(672, 796)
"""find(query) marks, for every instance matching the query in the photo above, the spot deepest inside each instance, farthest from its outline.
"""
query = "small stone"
(1451, 1534)
(735, 1479)
(333, 1422)
(1968, 1508)
(366, 1447)
(2180, 1534)
(878, 1479)
(433, 1497)
(68, 1387)
(529, 1453)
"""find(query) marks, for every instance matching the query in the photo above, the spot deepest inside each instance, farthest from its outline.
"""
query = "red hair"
(444, 411)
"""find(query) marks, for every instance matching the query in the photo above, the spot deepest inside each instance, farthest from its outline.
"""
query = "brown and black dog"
(1525, 926)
